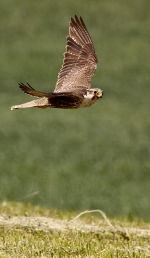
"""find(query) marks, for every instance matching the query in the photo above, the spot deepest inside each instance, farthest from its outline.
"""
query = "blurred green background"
(92, 158)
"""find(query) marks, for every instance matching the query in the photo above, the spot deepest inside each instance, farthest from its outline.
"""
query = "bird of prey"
(72, 89)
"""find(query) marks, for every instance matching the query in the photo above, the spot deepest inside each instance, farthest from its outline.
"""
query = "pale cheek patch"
(88, 95)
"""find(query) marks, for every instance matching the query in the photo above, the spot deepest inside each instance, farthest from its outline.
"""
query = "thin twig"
(30, 195)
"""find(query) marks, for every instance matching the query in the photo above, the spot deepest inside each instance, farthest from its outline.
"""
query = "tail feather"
(41, 103)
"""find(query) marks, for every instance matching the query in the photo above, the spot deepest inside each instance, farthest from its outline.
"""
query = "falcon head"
(95, 93)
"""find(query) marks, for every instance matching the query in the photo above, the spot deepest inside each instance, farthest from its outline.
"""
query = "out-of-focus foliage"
(76, 159)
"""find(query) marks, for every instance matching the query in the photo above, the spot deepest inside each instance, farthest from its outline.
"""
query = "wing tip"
(77, 20)
(22, 85)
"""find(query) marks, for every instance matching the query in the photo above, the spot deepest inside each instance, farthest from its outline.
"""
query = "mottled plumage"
(72, 89)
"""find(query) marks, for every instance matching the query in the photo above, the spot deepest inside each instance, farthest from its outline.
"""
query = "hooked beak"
(99, 94)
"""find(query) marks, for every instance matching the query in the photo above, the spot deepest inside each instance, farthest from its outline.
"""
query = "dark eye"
(95, 91)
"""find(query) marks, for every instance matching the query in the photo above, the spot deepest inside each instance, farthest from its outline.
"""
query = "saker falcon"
(72, 89)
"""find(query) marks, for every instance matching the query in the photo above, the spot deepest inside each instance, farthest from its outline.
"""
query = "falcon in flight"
(72, 89)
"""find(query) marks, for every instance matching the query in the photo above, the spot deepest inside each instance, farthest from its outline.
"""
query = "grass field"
(94, 158)
(32, 231)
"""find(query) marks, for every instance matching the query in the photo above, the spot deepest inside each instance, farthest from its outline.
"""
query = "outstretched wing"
(80, 60)
(57, 99)
(31, 91)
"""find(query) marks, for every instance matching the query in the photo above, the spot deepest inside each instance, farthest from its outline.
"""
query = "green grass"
(23, 241)
(53, 244)
(96, 158)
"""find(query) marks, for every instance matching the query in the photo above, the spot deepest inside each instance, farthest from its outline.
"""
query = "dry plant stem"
(94, 211)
